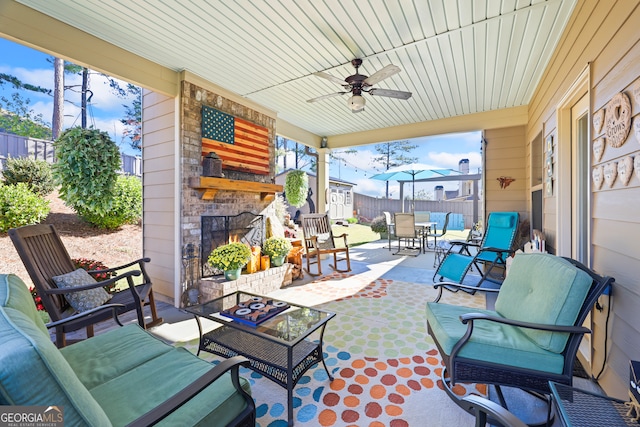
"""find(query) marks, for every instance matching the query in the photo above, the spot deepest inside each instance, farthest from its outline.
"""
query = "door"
(580, 180)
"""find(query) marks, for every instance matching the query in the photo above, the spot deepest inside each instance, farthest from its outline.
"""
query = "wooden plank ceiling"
(457, 56)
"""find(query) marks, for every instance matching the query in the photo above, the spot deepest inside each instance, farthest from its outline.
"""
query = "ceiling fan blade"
(334, 79)
(390, 93)
(382, 74)
(320, 98)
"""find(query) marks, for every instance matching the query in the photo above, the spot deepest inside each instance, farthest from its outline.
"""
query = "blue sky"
(106, 110)
(31, 66)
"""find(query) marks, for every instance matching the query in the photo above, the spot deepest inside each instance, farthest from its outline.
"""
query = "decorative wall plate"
(598, 149)
(636, 128)
(617, 120)
(598, 120)
(610, 173)
(625, 169)
(636, 165)
(597, 175)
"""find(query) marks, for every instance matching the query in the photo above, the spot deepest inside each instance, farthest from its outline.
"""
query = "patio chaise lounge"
(121, 377)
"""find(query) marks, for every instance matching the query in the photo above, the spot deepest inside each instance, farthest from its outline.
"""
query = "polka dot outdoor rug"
(386, 367)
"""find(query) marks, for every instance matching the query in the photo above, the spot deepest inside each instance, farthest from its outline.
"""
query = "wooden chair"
(45, 257)
(319, 240)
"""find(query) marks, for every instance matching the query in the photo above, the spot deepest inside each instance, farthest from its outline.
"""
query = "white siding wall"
(159, 186)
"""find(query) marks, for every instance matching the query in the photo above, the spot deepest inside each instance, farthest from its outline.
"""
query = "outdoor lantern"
(212, 165)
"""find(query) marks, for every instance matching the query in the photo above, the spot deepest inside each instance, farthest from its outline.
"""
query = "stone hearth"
(261, 282)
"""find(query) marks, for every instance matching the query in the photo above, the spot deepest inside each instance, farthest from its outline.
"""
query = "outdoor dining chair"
(391, 227)
(435, 234)
(405, 227)
(492, 252)
(66, 290)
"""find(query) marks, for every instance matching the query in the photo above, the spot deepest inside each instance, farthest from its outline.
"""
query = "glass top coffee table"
(281, 347)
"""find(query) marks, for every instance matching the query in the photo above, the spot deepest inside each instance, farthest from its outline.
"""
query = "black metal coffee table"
(281, 348)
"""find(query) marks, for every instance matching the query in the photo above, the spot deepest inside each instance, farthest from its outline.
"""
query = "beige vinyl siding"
(504, 153)
(159, 171)
(605, 36)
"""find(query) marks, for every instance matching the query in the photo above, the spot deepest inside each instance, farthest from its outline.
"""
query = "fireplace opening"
(218, 230)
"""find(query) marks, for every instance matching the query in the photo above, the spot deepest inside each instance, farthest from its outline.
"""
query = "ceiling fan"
(358, 83)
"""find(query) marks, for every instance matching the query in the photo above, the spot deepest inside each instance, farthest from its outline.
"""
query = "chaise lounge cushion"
(544, 289)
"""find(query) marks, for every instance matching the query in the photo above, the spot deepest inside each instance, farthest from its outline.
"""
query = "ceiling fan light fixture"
(356, 103)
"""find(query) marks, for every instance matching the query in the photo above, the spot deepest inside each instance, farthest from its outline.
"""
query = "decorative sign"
(610, 173)
(625, 169)
(597, 177)
(242, 145)
(598, 148)
(598, 121)
(618, 120)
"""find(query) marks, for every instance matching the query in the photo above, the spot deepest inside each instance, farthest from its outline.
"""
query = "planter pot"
(193, 295)
(232, 274)
(384, 235)
(277, 261)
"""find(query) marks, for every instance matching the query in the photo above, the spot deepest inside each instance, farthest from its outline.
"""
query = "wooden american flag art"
(242, 145)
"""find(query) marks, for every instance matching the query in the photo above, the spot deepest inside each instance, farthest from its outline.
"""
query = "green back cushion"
(33, 370)
(12, 295)
(543, 288)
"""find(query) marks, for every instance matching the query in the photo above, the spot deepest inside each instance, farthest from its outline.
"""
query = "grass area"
(358, 234)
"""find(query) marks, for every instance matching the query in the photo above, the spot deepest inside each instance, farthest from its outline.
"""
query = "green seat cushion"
(127, 397)
(546, 289)
(490, 341)
(12, 294)
(33, 372)
(109, 355)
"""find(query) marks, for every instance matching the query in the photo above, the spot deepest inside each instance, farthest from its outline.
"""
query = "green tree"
(392, 154)
(302, 158)
(133, 118)
(18, 118)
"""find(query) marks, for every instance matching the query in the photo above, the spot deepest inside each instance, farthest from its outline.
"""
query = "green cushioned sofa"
(124, 376)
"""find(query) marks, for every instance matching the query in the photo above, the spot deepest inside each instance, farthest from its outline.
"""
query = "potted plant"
(296, 188)
(379, 225)
(277, 248)
(230, 259)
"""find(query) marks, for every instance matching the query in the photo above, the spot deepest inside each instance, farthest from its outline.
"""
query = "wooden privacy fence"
(367, 207)
(41, 149)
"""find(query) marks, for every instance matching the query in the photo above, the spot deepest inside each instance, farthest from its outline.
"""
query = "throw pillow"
(82, 300)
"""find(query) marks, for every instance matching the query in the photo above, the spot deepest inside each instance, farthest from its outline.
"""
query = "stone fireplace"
(214, 208)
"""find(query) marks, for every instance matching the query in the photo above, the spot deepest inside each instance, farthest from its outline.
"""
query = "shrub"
(379, 224)
(35, 173)
(86, 169)
(352, 220)
(20, 206)
(126, 206)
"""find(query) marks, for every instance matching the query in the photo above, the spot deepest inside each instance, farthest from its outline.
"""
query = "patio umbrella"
(413, 172)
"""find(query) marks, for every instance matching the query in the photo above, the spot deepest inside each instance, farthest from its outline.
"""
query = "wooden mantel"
(209, 186)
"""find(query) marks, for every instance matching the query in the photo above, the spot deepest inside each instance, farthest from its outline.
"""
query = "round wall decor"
(618, 120)
(625, 169)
